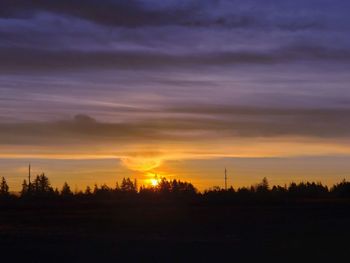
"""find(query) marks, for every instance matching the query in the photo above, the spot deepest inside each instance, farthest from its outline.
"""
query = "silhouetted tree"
(263, 186)
(277, 189)
(164, 186)
(231, 190)
(25, 188)
(341, 189)
(307, 190)
(66, 191)
(178, 189)
(4, 188)
(41, 185)
(95, 189)
(56, 192)
(88, 191)
(103, 191)
(128, 185)
(183, 187)
(215, 189)
(105, 188)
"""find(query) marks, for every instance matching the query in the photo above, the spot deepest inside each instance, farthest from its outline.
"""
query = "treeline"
(41, 188)
(262, 191)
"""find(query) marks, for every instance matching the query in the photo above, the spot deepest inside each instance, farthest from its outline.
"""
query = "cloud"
(196, 124)
(299, 15)
(127, 13)
(141, 164)
(79, 35)
(13, 60)
(233, 47)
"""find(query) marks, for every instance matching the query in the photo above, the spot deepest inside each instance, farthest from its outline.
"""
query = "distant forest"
(40, 189)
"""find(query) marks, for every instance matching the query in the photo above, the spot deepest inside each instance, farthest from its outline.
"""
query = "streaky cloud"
(197, 124)
(17, 60)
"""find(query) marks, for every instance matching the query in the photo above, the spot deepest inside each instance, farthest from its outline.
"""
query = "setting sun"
(154, 182)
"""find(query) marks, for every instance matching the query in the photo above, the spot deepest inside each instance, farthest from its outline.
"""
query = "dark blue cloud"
(237, 13)
(293, 53)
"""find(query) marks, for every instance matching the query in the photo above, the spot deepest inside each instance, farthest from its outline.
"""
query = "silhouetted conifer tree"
(66, 191)
(263, 187)
(25, 188)
(4, 188)
(341, 189)
(41, 185)
(128, 185)
(88, 191)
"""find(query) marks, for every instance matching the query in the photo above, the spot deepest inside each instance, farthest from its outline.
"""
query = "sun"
(154, 182)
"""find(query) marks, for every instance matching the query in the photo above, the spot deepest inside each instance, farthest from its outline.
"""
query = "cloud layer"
(147, 72)
(80, 35)
(195, 124)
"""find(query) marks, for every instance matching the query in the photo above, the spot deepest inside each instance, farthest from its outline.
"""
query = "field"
(166, 231)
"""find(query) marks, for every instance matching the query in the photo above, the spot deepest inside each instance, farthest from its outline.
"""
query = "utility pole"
(29, 174)
(225, 179)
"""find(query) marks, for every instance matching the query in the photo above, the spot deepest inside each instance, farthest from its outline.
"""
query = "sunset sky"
(92, 91)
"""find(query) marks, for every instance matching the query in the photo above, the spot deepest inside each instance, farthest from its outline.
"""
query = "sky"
(92, 91)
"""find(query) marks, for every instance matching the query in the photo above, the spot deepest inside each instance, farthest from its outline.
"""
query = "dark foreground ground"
(175, 232)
